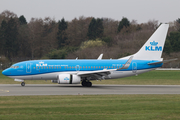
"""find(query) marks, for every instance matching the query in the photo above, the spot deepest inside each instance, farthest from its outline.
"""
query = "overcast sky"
(141, 10)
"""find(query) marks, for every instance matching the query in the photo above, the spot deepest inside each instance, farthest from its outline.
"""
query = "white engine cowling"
(69, 79)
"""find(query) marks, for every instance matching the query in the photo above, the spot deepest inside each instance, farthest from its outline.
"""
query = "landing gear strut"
(86, 83)
(23, 84)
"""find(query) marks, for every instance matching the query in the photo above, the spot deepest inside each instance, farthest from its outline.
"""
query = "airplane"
(83, 71)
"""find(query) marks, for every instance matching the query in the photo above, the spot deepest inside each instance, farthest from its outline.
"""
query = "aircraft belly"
(46, 76)
(36, 77)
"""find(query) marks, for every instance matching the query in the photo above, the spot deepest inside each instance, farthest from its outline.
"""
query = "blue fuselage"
(38, 67)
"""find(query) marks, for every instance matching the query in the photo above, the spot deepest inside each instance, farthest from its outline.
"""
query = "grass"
(87, 107)
(98, 107)
(149, 78)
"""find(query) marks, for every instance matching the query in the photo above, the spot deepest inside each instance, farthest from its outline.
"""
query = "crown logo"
(66, 78)
(41, 62)
(153, 43)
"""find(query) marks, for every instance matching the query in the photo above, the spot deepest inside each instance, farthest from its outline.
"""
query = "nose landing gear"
(23, 84)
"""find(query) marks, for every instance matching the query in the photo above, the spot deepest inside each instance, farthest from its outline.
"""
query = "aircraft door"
(134, 67)
(28, 67)
(77, 67)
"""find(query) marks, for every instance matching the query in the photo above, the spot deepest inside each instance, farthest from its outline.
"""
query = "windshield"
(15, 67)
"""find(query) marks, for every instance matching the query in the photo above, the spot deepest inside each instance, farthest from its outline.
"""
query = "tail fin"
(153, 48)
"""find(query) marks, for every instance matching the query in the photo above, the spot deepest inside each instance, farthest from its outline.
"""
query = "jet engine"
(68, 79)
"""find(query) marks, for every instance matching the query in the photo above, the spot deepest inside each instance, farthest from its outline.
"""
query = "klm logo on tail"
(153, 47)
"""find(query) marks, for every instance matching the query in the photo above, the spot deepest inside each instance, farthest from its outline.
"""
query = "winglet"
(100, 57)
(127, 64)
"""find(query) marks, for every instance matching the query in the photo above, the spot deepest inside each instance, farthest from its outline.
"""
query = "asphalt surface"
(58, 89)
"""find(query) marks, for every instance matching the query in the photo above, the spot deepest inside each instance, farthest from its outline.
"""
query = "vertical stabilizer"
(153, 48)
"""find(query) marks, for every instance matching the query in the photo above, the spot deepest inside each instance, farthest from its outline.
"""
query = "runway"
(53, 89)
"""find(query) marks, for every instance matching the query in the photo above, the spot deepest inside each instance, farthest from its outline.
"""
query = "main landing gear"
(86, 83)
(23, 84)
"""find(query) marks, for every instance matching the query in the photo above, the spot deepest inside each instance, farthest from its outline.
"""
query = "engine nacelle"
(69, 79)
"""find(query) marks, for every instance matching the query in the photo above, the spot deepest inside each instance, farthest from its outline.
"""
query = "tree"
(61, 34)
(7, 15)
(174, 39)
(123, 23)
(77, 31)
(92, 30)
(50, 34)
(95, 29)
(11, 45)
(36, 42)
(3, 36)
(22, 20)
(99, 28)
(167, 47)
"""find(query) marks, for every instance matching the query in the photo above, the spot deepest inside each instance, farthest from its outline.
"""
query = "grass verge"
(87, 107)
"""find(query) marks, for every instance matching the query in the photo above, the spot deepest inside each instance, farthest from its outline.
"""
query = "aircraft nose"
(5, 72)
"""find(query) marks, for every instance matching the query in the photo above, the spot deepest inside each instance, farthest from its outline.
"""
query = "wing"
(100, 73)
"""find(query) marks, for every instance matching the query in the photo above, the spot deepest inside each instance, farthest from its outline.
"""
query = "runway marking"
(4, 91)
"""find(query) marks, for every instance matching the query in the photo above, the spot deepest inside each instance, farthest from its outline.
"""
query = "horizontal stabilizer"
(165, 61)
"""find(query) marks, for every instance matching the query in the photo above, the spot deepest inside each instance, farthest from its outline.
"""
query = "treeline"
(83, 37)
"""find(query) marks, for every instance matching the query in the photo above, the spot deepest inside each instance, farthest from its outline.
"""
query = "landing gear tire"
(86, 84)
(23, 84)
(89, 84)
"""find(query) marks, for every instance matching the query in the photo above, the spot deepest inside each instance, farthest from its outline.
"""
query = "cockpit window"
(15, 67)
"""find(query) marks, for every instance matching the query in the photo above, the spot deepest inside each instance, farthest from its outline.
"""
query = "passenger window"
(47, 67)
(89, 67)
(65, 67)
(41, 67)
(54, 67)
(34, 67)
